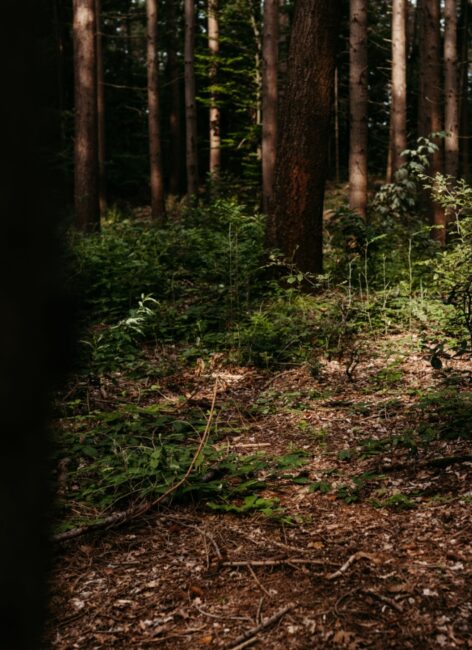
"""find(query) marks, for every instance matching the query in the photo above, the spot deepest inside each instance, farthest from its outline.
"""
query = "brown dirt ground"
(357, 576)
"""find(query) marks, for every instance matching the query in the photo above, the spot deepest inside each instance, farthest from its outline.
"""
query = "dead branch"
(357, 556)
(255, 630)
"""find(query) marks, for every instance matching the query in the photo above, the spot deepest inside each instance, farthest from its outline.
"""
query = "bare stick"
(137, 511)
(287, 560)
(255, 630)
(357, 556)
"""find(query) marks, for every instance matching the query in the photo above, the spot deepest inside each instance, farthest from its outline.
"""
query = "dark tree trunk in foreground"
(464, 38)
(270, 47)
(155, 155)
(398, 111)
(214, 47)
(358, 106)
(101, 112)
(34, 311)
(190, 100)
(296, 219)
(87, 209)
(429, 102)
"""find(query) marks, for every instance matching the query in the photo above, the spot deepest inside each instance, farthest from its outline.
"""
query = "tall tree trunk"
(87, 209)
(398, 120)
(175, 113)
(190, 100)
(429, 104)
(102, 197)
(296, 217)
(270, 46)
(337, 157)
(257, 75)
(155, 149)
(451, 90)
(358, 100)
(214, 47)
(464, 36)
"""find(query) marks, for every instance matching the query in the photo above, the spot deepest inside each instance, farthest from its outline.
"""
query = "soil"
(380, 563)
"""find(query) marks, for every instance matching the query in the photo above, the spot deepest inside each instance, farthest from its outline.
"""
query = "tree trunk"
(214, 47)
(269, 98)
(358, 100)
(296, 218)
(175, 113)
(464, 35)
(100, 112)
(87, 209)
(398, 119)
(155, 149)
(190, 100)
(451, 90)
(429, 103)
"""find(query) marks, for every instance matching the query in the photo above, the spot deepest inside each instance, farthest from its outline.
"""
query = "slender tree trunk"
(214, 47)
(336, 126)
(429, 104)
(284, 30)
(257, 77)
(270, 43)
(451, 90)
(87, 209)
(358, 99)
(398, 120)
(155, 148)
(175, 113)
(464, 35)
(296, 218)
(101, 113)
(190, 100)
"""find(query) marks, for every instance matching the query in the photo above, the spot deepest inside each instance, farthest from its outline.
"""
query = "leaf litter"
(354, 539)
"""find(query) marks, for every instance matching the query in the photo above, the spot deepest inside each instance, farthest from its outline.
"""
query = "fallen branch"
(388, 601)
(443, 461)
(237, 643)
(357, 556)
(136, 511)
(282, 561)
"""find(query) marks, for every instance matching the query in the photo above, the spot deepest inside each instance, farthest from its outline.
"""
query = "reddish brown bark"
(296, 219)
(190, 100)
(102, 197)
(87, 209)
(155, 148)
(175, 112)
(451, 90)
(214, 47)
(398, 118)
(270, 47)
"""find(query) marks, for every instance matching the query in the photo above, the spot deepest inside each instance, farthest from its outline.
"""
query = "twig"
(255, 630)
(280, 562)
(391, 603)
(136, 511)
(257, 581)
(357, 556)
(245, 644)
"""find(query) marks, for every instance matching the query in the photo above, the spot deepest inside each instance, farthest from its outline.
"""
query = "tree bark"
(102, 197)
(175, 113)
(270, 43)
(398, 120)
(358, 100)
(451, 90)
(190, 100)
(296, 218)
(214, 47)
(87, 209)
(155, 148)
(464, 36)
(429, 103)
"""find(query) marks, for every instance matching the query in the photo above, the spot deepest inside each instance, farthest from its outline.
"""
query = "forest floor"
(369, 545)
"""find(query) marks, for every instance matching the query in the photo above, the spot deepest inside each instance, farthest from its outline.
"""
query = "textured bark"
(87, 209)
(297, 211)
(429, 102)
(399, 45)
(190, 100)
(214, 47)
(451, 90)
(155, 148)
(464, 37)
(175, 112)
(270, 47)
(358, 102)
(102, 197)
